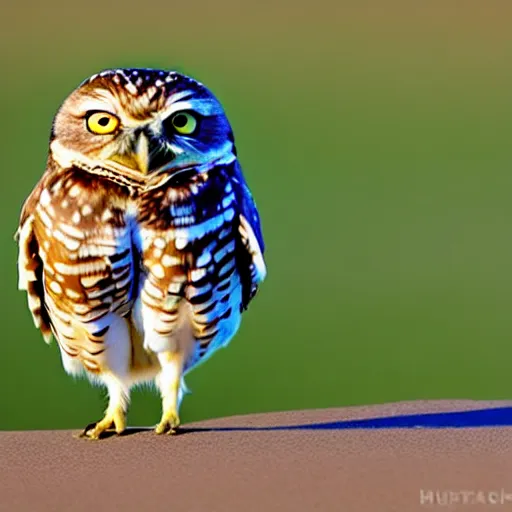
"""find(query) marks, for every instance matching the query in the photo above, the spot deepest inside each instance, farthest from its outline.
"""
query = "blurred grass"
(376, 139)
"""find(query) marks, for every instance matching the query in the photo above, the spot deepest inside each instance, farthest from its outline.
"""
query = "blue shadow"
(496, 417)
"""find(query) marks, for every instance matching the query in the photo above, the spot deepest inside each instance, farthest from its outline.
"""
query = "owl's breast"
(192, 257)
(182, 227)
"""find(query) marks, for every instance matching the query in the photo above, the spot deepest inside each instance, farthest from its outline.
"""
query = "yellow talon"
(169, 423)
(118, 419)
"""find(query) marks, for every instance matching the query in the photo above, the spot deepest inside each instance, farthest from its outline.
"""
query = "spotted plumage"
(141, 246)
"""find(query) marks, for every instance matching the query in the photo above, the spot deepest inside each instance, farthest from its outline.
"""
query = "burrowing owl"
(141, 245)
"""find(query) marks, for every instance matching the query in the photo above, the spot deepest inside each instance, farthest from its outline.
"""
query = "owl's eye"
(102, 123)
(184, 123)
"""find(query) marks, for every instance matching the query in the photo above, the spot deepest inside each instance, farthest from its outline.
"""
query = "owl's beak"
(141, 154)
(138, 159)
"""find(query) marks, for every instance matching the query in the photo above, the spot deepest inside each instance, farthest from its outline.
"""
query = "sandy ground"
(290, 461)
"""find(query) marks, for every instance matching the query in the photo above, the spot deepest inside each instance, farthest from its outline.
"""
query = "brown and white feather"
(77, 261)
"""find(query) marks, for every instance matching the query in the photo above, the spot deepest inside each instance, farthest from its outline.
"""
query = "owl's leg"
(115, 415)
(115, 376)
(169, 381)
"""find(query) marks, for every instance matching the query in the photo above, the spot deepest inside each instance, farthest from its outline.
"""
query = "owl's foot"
(116, 419)
(169, 423)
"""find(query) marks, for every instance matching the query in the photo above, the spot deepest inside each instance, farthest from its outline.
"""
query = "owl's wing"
(30, 265)
(76, 260)
(251, 250)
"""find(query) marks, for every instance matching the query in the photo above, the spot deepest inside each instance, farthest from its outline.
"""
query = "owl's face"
(142, 120)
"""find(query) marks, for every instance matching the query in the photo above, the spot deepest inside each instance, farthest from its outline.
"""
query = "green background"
(376, 140)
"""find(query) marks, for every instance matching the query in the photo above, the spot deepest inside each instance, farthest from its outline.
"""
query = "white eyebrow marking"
(180, 95)
(101, 100)
(206, 107)
(96, 105)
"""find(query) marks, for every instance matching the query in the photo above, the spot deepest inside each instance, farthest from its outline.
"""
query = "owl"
(141, 246)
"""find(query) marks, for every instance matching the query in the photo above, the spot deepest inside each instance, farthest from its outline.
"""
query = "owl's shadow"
(480, 418)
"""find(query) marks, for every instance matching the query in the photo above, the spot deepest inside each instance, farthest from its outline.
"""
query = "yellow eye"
(184, 123)
(102, 123)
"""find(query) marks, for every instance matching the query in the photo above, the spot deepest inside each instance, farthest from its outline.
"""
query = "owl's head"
(141, 121)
